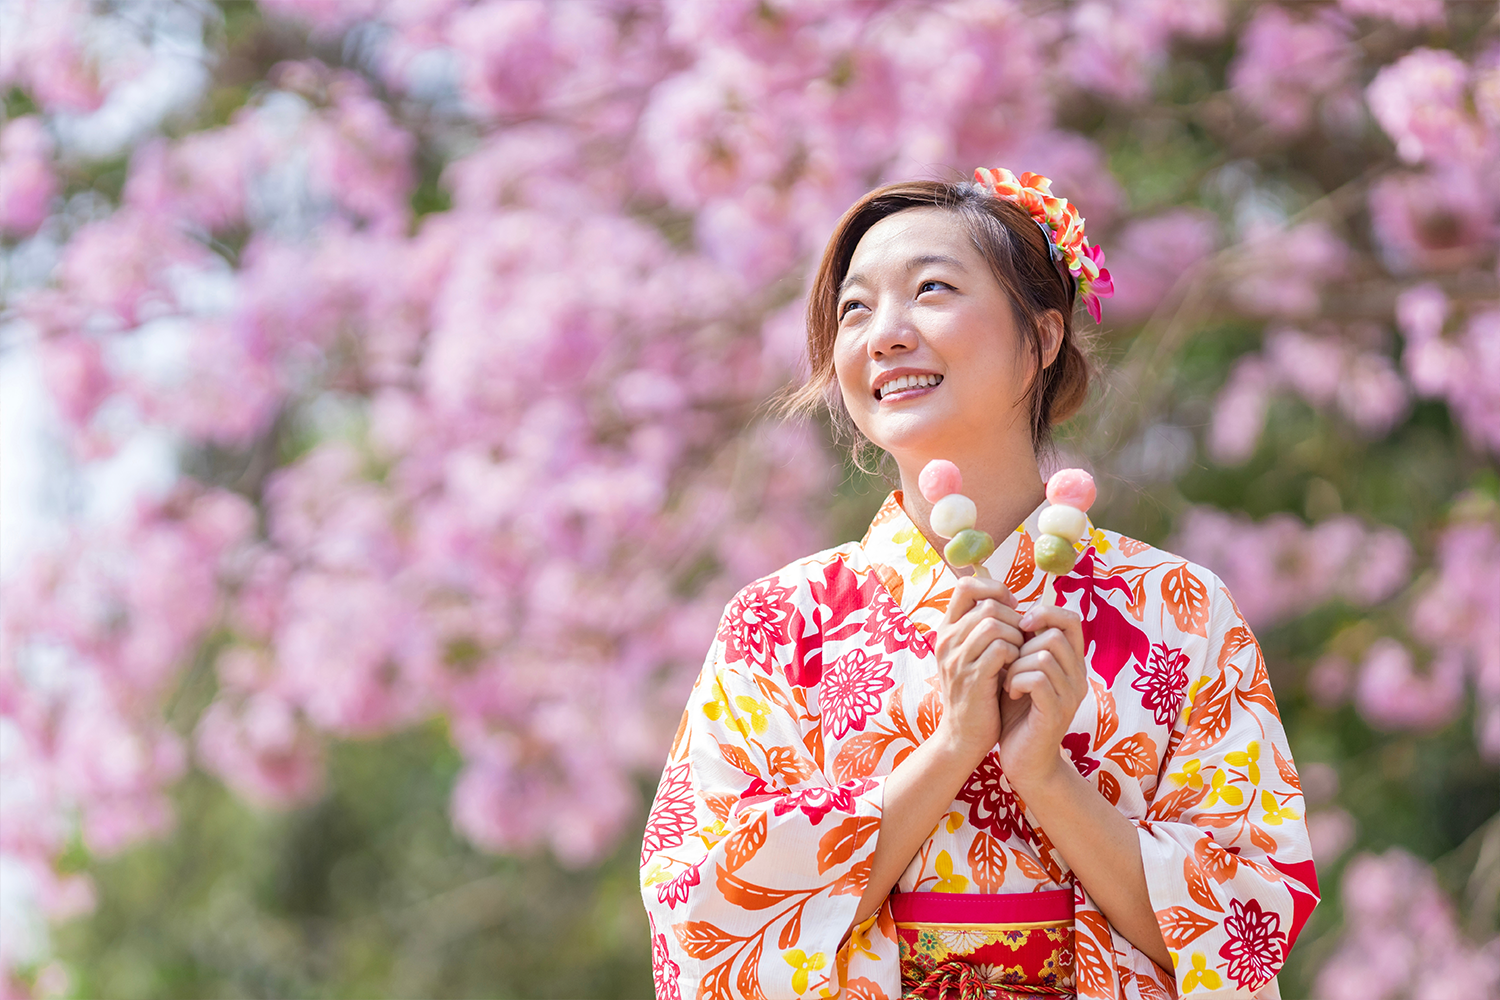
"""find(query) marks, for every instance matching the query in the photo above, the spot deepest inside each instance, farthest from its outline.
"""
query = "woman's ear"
(1050, 325)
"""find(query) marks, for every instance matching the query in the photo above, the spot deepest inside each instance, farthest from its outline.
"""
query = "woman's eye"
(848, 307)
(932, 285)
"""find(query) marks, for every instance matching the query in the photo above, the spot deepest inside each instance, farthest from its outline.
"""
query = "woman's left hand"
(1040, 694)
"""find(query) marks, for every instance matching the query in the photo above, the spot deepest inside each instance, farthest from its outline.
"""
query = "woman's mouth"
(905, 385)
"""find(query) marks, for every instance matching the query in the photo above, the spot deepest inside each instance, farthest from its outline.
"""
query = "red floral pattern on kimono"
(822, 679)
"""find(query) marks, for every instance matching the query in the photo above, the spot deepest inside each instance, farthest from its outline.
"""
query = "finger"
(987, 635)
(1054, 643)
(971, 590)
(956, 633)
(1044, 664)
(1038, 618)
(996, 657)
(992, 610)
(1044, 698)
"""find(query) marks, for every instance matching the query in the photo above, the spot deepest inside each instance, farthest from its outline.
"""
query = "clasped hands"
(1009, 677)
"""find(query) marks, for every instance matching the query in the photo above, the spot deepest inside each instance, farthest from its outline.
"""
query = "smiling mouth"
(905, 383)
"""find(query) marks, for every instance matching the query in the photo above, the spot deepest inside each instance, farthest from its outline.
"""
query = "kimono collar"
(918, 579)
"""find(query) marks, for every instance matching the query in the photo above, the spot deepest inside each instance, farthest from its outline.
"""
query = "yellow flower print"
(655, 873)
(955, 820)
(1097, 540)
(1188, 777)
(720, 705)
(859, 938)
(1200, 974)
(759, 711)
(1248, 759)
(803, 963)
(1221, 791)
(948, 882)
(1192, 691)
(1275, 811)
(711, 835)
(921, 555)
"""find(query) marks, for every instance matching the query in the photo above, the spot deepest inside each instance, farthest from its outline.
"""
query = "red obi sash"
(1003, 946)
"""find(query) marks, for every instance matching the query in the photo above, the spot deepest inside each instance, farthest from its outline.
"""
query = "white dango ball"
(1064, 522)
(952, 514)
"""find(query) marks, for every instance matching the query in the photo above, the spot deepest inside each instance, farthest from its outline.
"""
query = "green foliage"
(365, 893)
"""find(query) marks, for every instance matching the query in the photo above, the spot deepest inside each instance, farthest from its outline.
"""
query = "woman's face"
(928, 357)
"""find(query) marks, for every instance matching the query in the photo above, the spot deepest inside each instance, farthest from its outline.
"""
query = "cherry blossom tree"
(458, 325)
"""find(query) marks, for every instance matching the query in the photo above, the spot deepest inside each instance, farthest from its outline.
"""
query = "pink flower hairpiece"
(1063, 226)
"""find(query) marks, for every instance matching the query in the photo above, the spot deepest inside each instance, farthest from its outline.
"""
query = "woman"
(891, 780)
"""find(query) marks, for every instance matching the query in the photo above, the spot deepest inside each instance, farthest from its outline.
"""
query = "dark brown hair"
(1017, 252)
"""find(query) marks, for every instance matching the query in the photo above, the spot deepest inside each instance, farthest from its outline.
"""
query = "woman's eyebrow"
(911, 265)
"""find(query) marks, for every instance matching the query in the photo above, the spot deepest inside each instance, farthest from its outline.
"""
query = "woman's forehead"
(914, 236)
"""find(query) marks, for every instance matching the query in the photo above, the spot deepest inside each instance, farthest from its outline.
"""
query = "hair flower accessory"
(1063, 226)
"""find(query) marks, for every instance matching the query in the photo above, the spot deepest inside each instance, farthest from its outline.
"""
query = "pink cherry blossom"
(1240, 411)
(1402, 938)
(1440, 219)
(1286, 63)
(1149, 256)
(1420, 102)
(1280, 270)
(1392, 695)
(1279, 567)
(1405, 13)
(27, 184)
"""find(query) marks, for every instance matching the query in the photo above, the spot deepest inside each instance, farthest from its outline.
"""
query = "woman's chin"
(915, 434)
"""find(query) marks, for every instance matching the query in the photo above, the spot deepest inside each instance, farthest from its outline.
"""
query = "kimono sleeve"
(753, 861)
(1228, 865)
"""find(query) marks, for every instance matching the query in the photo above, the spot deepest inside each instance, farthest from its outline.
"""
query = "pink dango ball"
(938, 479)
(1071, 488)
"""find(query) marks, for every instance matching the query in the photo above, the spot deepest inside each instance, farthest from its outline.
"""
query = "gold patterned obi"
(967, 946)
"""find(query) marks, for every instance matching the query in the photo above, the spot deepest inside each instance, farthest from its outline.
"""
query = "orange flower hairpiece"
(1063, 226)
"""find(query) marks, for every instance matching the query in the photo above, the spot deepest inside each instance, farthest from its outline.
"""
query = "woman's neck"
(1003, 480)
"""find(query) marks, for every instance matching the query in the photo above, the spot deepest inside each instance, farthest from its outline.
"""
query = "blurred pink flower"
(77, 376)
(519, 58)
(262, 750)
(1330, 681)
(360, 157)
(1459, 614)
(1240, 411)
(1441, 219)
(1332, 832)
(1149, 255)
(1463, 369)
(1404, 13)
(1401, 938)
(1286, 63)
(1278, 568)
(1392, 695)
(44, 54)
(1280, 272)
(27, 184)
(1420, 102)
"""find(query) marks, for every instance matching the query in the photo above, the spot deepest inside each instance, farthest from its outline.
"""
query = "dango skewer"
(1070, 492)
(954, 516)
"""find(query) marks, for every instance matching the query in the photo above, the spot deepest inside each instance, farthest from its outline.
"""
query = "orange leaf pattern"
(822, 679)
(1187, 600)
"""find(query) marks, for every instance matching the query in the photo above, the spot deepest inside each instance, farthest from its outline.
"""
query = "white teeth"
(907, 382)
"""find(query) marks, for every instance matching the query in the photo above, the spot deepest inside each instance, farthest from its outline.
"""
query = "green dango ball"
(968, 548)
(1055, 555)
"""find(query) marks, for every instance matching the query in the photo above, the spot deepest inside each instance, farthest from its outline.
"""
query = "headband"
(1061, 224)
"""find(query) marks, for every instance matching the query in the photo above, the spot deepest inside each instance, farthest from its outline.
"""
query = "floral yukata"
(822, 678)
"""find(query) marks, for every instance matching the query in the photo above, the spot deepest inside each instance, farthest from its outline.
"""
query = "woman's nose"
(891, 332)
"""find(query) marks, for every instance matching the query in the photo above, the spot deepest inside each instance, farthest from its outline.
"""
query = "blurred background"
(385, 408)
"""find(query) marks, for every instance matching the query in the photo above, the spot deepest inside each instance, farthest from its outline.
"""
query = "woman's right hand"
(980, 636)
